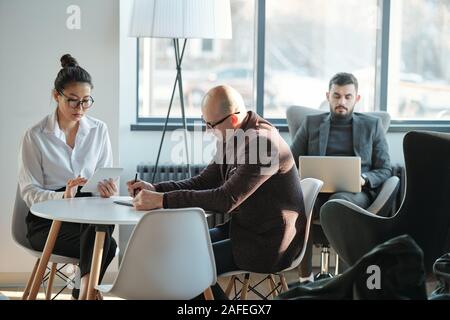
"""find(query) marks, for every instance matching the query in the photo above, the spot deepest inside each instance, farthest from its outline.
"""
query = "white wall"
(33, 36)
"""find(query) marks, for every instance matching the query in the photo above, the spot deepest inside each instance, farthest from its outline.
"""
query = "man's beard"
(341, 116)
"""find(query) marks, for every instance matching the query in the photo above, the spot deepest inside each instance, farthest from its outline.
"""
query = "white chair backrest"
(169, 256)
(19, 226)
(310, 188)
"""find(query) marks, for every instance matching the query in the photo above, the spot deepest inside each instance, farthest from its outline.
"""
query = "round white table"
(81, 210)
(91, 210)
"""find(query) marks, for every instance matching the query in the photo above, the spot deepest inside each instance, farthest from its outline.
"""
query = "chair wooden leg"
(48, 295)
(283, 282)
(230, 286)
(30, 280)
(208, 294)
(273, 286)
(46, 253)
(245, 286)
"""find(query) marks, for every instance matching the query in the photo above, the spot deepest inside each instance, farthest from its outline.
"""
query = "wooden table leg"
(48, 249)
(96, 264)
(30, 281)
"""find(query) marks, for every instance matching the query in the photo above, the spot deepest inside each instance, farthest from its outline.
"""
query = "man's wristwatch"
(367, 182)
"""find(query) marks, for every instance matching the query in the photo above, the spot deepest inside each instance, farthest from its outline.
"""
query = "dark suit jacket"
(369, 143)
(268, 217)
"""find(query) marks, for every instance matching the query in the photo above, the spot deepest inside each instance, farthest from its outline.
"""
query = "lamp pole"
(178, 80)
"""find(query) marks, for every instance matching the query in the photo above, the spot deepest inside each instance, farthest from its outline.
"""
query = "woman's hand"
(71, 186)
(107, 188)
(148, 200)
(134, 187)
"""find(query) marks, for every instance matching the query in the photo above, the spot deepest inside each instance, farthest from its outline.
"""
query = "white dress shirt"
(47, 162)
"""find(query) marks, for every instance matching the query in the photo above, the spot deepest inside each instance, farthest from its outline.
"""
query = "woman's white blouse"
(46, 162)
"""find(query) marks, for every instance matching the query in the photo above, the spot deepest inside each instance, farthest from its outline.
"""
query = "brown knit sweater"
(268, 217)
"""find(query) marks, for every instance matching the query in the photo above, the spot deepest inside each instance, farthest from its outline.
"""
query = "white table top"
(91, 210)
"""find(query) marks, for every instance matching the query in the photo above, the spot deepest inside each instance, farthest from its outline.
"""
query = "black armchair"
(424, 214)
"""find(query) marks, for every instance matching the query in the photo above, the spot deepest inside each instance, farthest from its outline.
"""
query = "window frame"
(381, 92)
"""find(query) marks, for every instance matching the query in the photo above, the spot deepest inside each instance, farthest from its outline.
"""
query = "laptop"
(339, 174)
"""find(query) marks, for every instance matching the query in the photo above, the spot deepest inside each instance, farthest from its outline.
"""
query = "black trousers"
(74, 240)
(362, 199)
(223, 255)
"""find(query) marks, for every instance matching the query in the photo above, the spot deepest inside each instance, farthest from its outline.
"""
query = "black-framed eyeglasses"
(74, 103)
(212, 125)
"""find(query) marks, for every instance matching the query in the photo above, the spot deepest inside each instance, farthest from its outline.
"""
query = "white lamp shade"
(201, 19)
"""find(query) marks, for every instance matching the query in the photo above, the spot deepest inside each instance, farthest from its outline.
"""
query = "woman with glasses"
(57, 157)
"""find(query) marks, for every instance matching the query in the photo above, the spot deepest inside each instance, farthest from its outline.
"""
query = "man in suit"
(342, 132)
(252, 176)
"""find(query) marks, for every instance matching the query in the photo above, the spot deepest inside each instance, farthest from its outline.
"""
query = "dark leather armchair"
(424, 214)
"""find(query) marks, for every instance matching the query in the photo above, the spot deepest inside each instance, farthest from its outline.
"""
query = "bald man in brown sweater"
(252, 176)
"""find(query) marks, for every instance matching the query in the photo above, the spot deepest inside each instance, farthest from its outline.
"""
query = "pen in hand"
(134, 190)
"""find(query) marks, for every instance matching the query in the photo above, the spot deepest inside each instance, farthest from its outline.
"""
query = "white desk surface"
(91, 210)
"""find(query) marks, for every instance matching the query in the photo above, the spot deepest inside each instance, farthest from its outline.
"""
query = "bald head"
(223, 100)
(223, 109)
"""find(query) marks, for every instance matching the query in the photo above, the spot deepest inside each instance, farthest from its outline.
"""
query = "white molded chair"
(19, 231)
(169, 257)
(310, 188)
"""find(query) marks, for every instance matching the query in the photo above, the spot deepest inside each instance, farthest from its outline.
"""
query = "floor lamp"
(180, 19)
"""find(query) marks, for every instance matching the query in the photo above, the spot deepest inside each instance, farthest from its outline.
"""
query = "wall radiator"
(167, 172)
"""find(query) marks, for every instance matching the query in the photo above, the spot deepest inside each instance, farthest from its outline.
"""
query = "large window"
(206, 63)
(419, 60)
(307, 42)
(398, 50)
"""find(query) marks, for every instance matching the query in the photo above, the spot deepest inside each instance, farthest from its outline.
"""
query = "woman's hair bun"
(68, 61)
